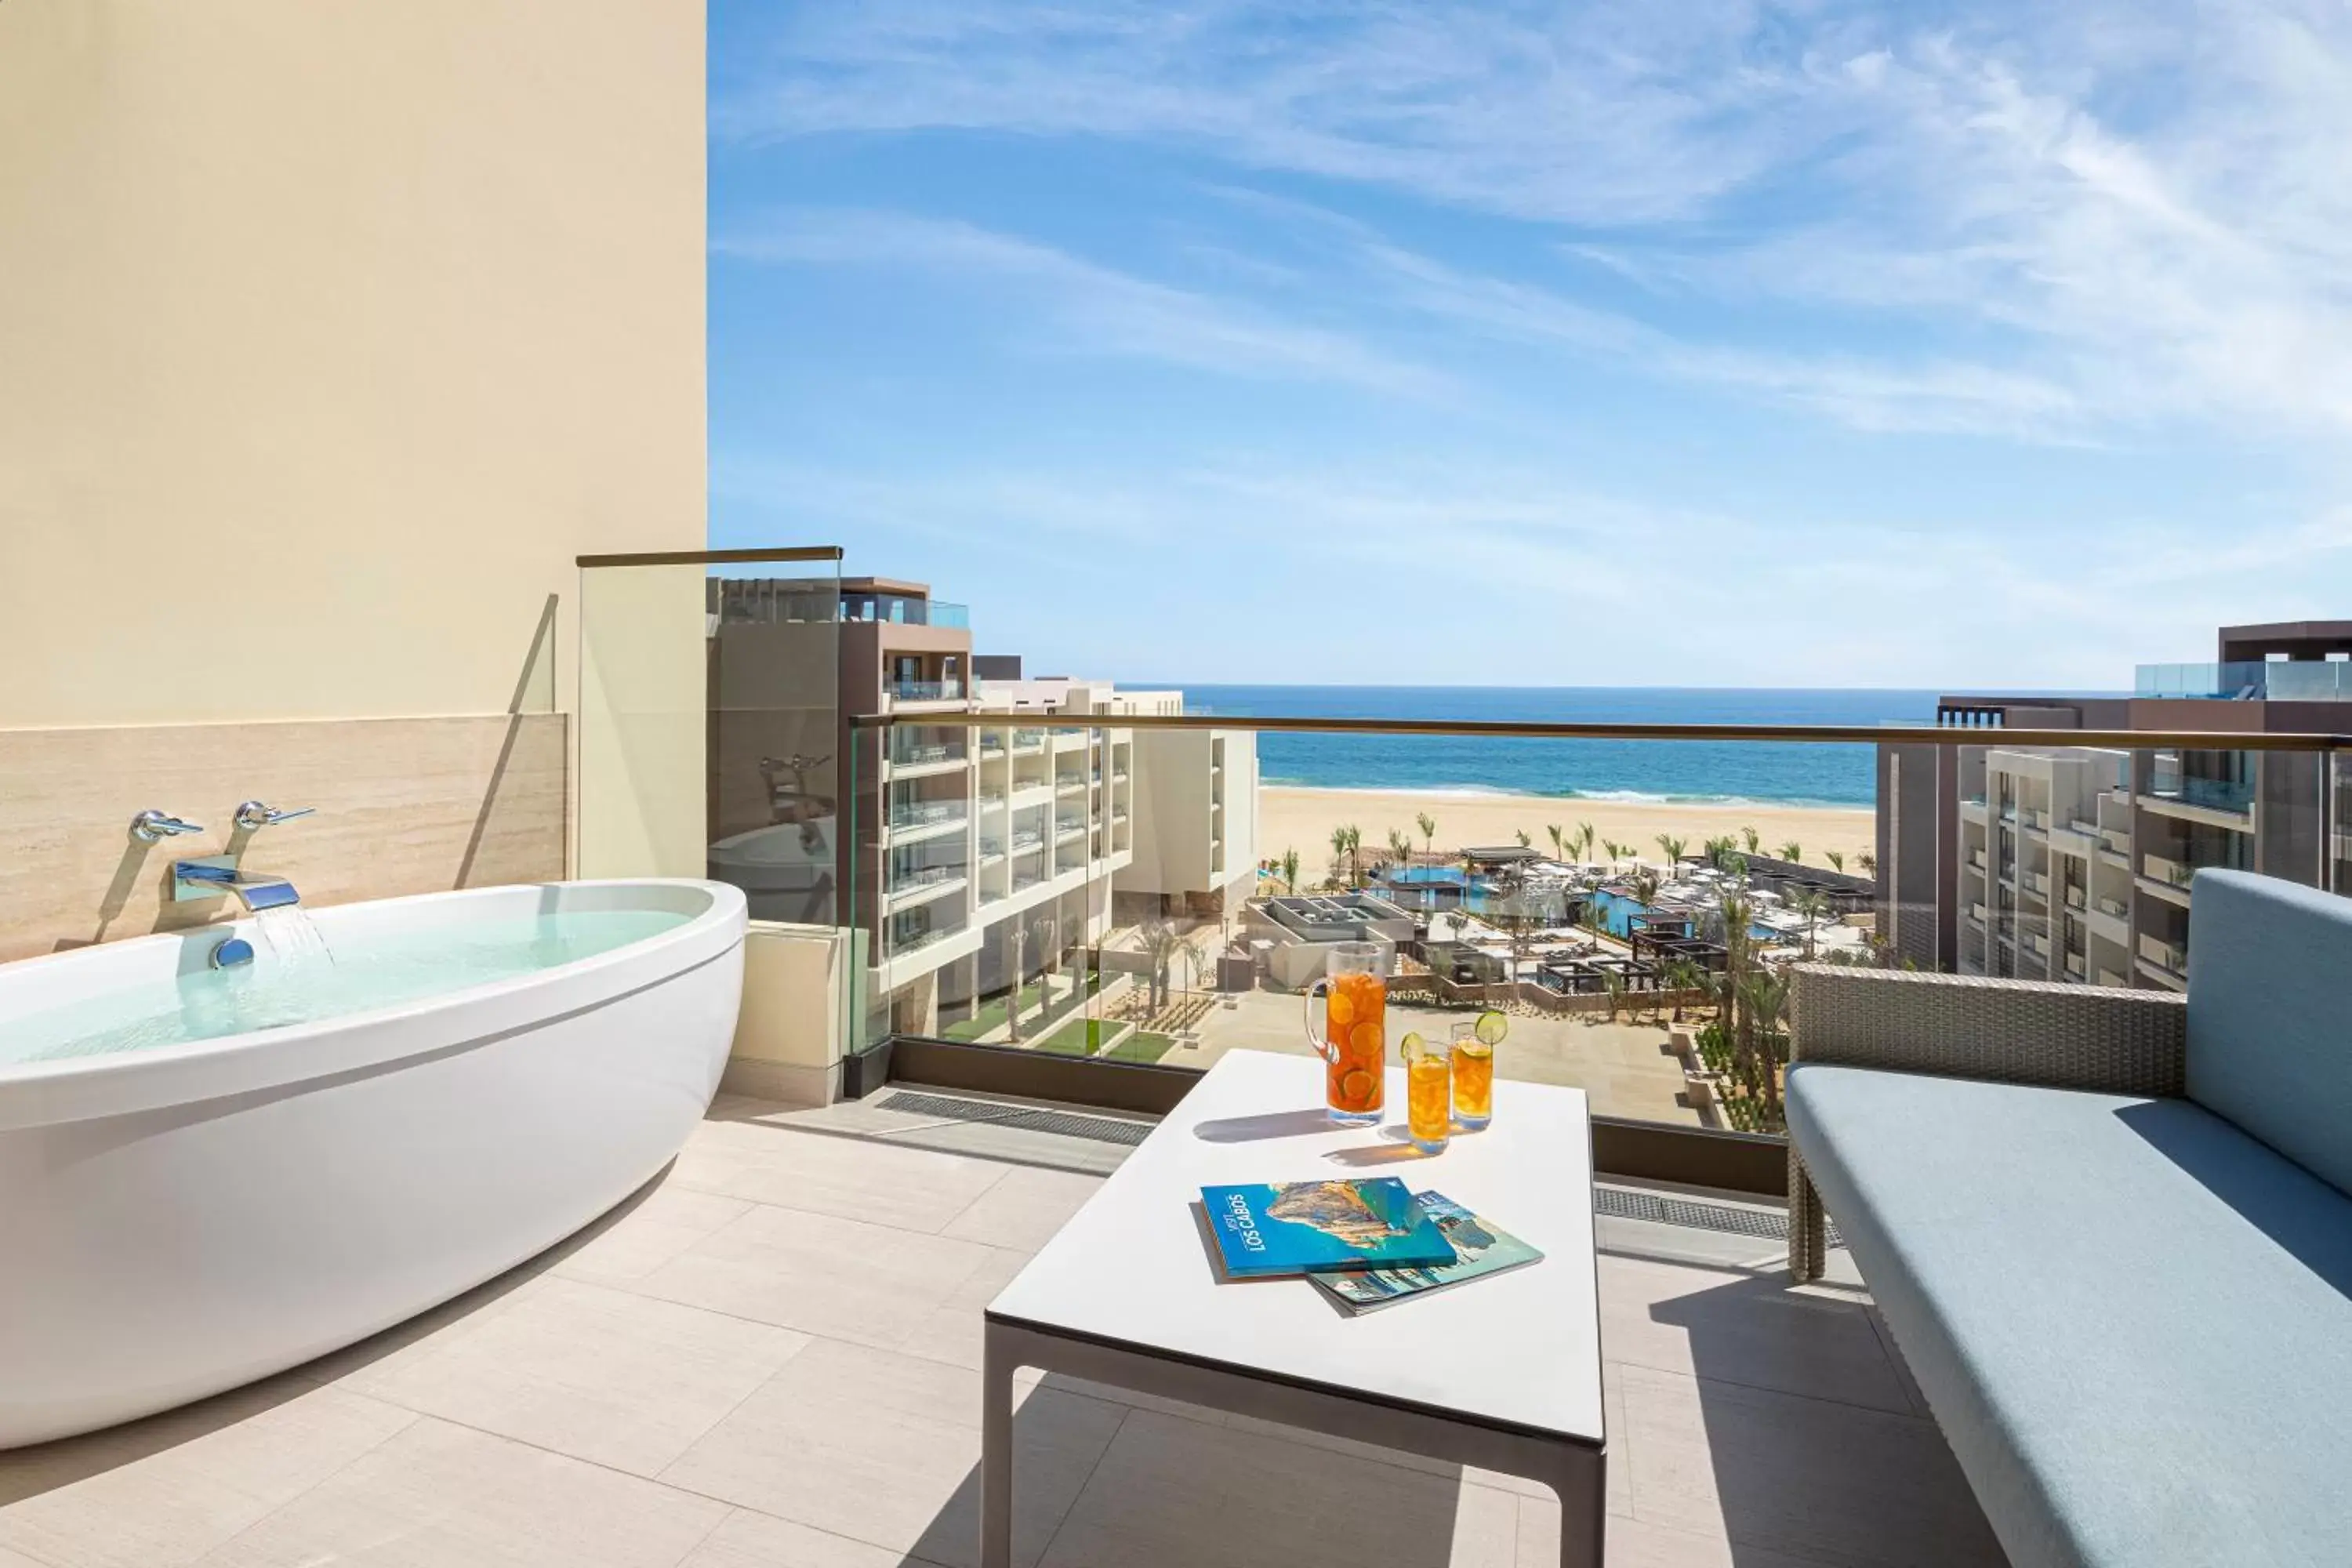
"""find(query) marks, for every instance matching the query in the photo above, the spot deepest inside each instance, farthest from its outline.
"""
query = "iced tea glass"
(1473, 1077)
(1428, 1094)
(1353, 1039)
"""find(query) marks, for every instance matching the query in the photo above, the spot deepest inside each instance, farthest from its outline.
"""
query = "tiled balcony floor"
(768, 1358)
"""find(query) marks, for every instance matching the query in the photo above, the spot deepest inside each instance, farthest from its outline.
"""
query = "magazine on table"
(1266, 1229)
(1478, 1246)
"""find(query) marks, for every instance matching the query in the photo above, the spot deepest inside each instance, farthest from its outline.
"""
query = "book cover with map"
(1479, 1248)
(1295, 1227)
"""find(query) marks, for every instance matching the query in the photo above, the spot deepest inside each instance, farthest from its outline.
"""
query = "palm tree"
(1765, 998)
(1584, 839)
(1836, 858)
(1613, 985)
(1161, 941)
(1400, 849)
(1525, 842)
(1811, 904)
(1866, 863)
(1752, 838)
(1559, 841)
(1355, 856)
(1428, 826)
(1016, 938)
(1672, 849)
(1290, 871)
(1682, 977)
(1792, 852)
(1345, 842)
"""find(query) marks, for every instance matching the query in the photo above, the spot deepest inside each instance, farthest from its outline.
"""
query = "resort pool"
(1617, 911)
(1429, 877)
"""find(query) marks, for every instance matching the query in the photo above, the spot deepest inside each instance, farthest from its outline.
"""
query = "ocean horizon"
(1787, 774)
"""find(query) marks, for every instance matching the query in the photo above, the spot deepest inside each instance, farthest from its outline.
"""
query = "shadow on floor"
(47, 1466)
(1805, 1431)
(1173, 1487)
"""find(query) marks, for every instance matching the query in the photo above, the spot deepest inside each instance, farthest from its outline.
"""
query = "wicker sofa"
(2109, 1229)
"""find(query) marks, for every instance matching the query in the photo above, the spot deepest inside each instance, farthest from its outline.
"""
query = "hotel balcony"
(925, 761)
(923, 693)
(768, 1356)
(2221, 803)
(916, 821)
(2164, 962)
(2166, 879)
(923, 884)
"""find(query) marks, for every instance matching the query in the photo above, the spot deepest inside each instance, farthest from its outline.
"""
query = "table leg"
(1580, 1480)
(996, 1453)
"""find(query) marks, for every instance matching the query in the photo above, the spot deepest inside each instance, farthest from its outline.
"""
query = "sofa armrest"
(2013, 1031)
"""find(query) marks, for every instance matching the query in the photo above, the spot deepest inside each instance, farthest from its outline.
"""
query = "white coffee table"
(1503, 1373)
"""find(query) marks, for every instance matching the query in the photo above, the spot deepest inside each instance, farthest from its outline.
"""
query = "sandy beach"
(1303, 819)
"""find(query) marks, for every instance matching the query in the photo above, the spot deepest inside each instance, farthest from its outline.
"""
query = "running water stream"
(293, 936)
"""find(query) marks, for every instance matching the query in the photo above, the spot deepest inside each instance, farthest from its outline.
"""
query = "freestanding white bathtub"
(179, 1218)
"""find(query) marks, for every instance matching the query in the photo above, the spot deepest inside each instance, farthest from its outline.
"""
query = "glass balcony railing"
(949, 691)
(2287, 681)
(2232, 795)
(1529, 873)
(900, 609)
(927, 814)
(909, 749)
(910, 878)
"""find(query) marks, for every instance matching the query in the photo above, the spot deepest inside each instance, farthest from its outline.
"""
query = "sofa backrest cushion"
(2270, 1014)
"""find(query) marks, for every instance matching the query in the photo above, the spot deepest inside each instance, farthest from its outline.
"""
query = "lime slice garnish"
(1492, 1028)
(1411, 1042)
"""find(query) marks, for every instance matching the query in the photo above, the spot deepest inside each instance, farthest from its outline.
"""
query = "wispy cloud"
(2108, 214)
(1711, 596)
(1092, 309)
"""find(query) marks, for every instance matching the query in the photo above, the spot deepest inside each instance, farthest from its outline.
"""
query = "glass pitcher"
(1353, 1038)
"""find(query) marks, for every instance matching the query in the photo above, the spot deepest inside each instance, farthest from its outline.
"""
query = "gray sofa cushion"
(2270, 1035)
(2133, 1322)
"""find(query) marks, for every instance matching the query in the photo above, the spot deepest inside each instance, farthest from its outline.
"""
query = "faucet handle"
(153, 826)
(253, 815)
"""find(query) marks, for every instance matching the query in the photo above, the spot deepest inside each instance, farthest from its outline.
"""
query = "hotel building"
(2073, 864)
(968, 855)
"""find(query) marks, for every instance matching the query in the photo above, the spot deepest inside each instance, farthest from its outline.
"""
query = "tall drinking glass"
(1428, 1094)
(1473, 1077)
(1353, 1038)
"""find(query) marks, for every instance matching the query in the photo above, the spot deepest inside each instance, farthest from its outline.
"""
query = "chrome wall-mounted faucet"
(253, 816)
(153, 826)
(213, 875)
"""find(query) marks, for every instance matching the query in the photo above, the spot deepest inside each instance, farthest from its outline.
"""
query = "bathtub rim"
(77, 1089)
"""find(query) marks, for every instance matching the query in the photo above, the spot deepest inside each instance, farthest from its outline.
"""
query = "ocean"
(1642, 771)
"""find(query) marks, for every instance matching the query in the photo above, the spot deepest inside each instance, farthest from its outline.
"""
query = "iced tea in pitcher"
(1353, 1040)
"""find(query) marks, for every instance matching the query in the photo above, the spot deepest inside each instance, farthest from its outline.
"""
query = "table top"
(1520, 1348)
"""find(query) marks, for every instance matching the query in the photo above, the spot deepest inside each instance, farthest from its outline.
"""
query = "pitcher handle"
(1315, 1038)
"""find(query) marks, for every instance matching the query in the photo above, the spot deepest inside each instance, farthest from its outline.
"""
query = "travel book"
(1479, 1250)
(1296, 1228)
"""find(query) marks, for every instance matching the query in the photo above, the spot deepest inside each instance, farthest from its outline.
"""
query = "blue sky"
(1694, 344)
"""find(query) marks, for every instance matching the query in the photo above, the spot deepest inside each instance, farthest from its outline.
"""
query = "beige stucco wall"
(333, 331)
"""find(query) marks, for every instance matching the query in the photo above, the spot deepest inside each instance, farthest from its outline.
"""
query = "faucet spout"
(213, 875)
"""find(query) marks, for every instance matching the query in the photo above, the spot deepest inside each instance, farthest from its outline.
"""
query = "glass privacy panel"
(710, 732)
(643, 722)
(776, 767)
